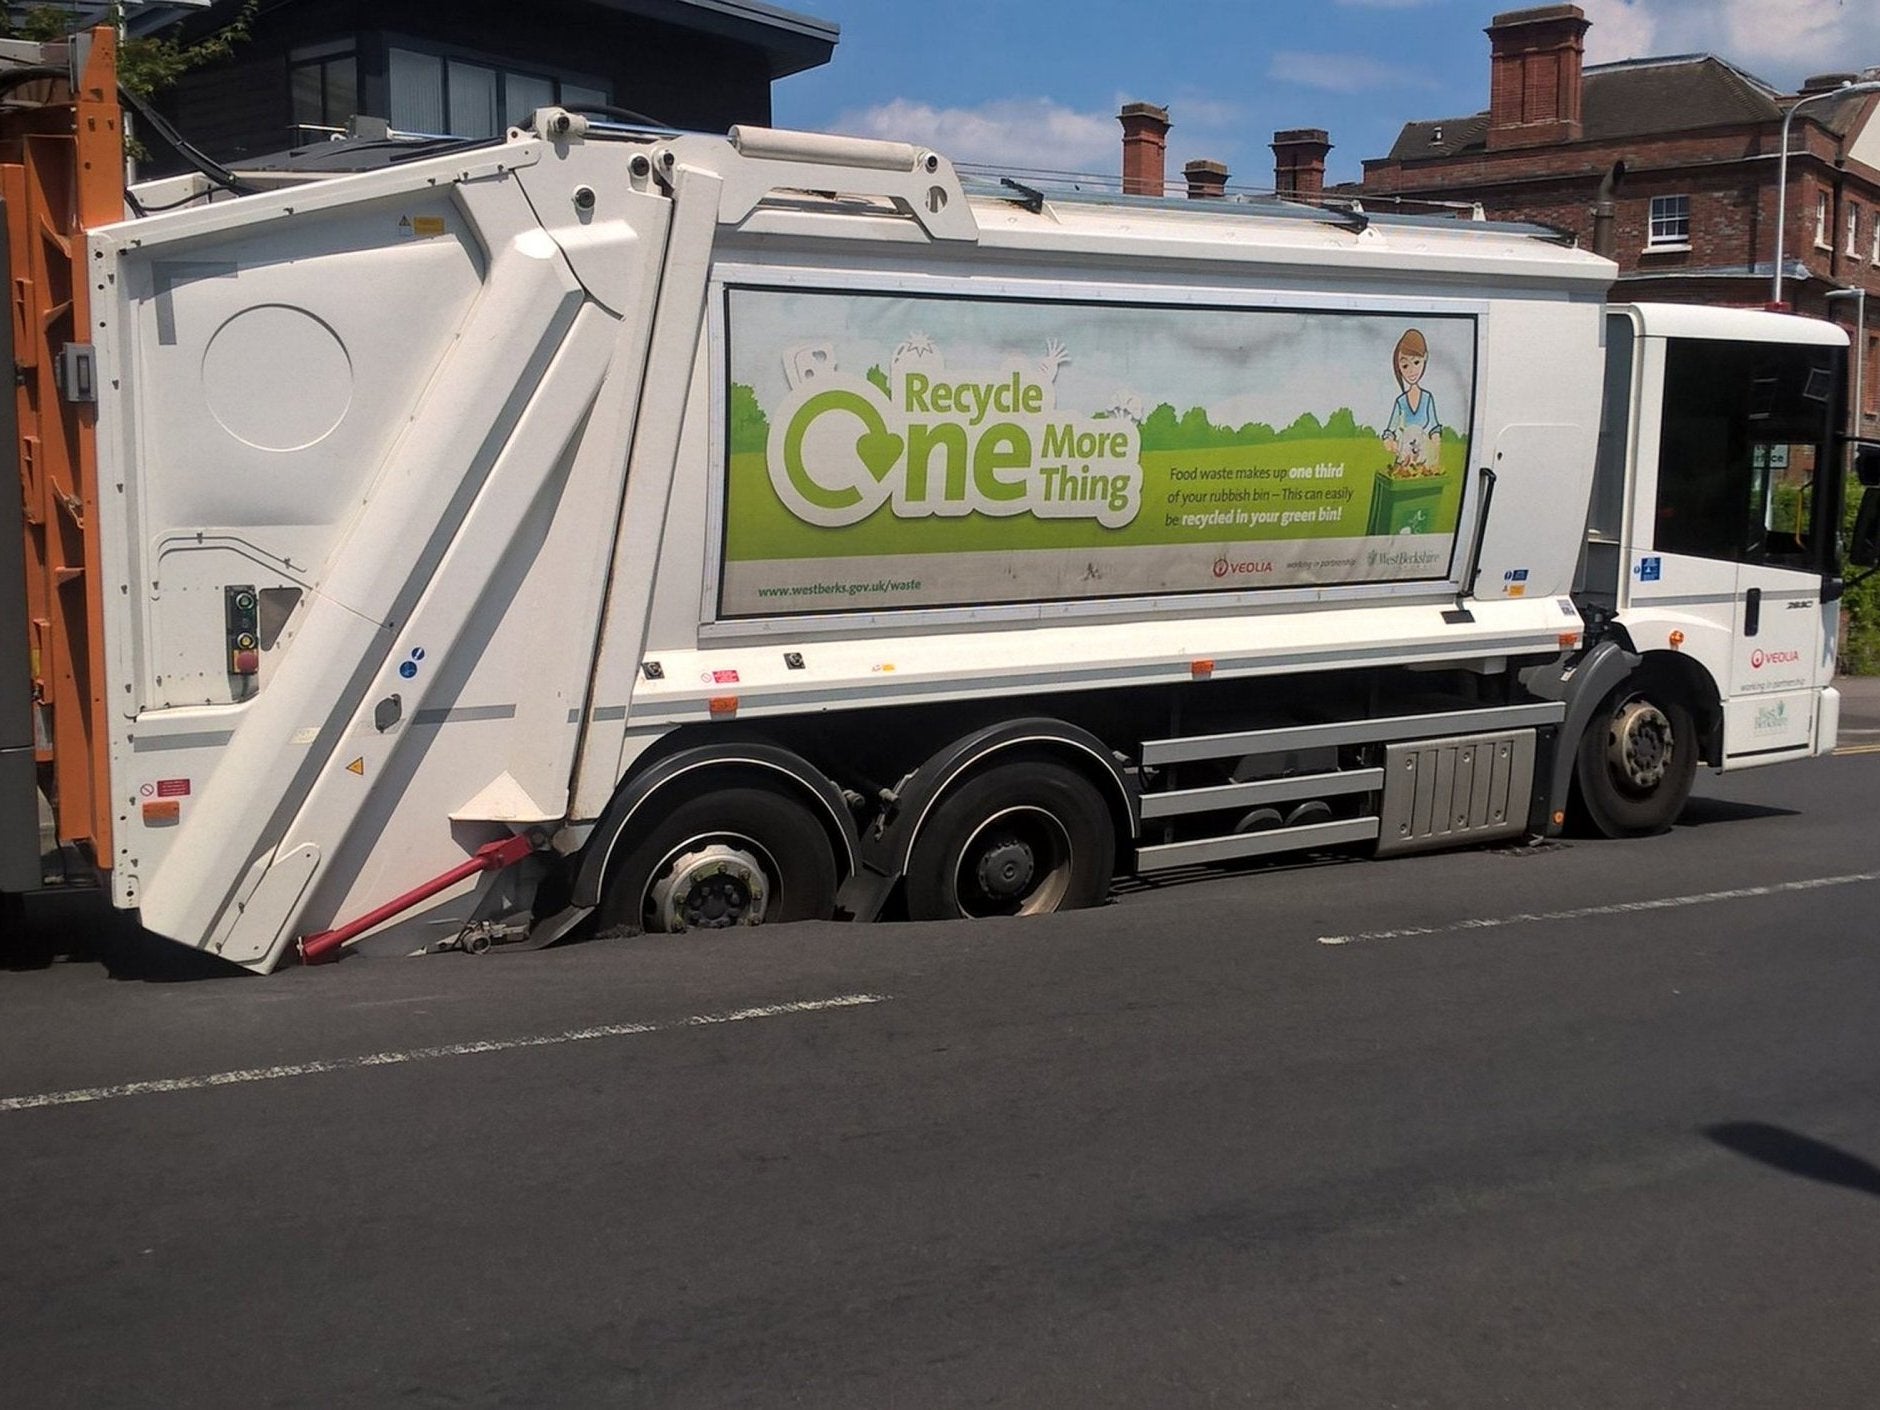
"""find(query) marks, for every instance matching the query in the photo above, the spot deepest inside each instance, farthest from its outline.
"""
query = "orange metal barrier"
(61, 173)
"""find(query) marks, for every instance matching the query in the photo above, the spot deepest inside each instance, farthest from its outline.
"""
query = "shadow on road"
(80, 926)
(1700, 812)
(1796, 1154)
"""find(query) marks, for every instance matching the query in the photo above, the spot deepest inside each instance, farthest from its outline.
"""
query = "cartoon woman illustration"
(1413, 433)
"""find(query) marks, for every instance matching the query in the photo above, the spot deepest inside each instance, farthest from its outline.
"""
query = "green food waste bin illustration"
(1402, 505)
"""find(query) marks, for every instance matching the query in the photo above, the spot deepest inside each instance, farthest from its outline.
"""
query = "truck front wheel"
(735, 856)
(1025, 837)
(1637, 761)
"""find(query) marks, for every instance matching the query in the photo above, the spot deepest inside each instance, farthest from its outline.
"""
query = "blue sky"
(1036, 83)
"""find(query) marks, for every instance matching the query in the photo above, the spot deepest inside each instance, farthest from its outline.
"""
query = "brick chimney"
(1534, 76)
(1206, 180)
(1145, 148)
(1299, 162)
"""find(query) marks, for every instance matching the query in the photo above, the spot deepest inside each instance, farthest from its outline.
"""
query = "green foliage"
(151, 64)
(1166, 429)
(1860, 607)
(1787, 512)
(41, 24)
(750, 428)
(146, 65)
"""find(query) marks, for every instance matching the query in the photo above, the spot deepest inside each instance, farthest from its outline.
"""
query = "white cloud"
(1811, 33)
(1781, 42)
(1020, 132)
(1209, 114)
(1343, 73)
(1622, 29)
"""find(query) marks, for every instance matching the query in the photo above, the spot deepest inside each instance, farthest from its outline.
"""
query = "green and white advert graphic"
(890, 452)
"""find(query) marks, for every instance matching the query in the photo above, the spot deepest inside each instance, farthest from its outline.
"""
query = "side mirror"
(1867, 465)
(1863, 548)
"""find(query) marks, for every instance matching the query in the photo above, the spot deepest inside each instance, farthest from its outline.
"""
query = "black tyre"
(1636, 762)
(1025, 837)
(735, 856)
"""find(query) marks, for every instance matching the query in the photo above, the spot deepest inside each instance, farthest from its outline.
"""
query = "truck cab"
(1711, 546)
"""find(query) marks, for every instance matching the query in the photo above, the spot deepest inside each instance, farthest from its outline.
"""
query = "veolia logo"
(1760, 658)
(949, 444)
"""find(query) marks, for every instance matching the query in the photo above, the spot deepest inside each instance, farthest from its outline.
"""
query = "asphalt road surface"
(1589, 1124)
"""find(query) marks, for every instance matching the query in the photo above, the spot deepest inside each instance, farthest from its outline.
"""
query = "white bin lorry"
(670, 531)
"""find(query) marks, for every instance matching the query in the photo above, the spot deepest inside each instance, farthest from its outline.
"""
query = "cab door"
(1784, 643)
(1744, 503)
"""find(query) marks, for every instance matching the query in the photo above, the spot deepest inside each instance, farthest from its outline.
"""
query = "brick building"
(1693, 216)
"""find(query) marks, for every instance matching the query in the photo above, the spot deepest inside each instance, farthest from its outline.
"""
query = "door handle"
(1752, 611)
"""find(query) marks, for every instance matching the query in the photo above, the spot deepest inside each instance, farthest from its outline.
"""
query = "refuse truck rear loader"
(627, 529)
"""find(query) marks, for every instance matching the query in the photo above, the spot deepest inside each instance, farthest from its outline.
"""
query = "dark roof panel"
(1839, 115)
(790, 41)
(1635, 98)
(1672, 95)
(1443, 137)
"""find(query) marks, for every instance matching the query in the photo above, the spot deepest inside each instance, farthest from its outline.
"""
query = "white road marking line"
(1663, 903)
(444, 1050)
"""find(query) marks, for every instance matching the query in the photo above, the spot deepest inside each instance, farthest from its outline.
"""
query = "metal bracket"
(1030, 197)
(77, 372)
(919, 183)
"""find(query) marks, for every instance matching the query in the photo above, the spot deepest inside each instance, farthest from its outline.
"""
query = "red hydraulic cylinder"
(491, 856)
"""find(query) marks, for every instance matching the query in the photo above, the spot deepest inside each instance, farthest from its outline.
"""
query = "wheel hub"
(1017, 862)
(1641, 744)
(1006, 868)
(710, 888)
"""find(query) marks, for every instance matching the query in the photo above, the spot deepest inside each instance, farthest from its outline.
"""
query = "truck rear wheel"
(1636, 762)
(734, 856)
(1026, 837)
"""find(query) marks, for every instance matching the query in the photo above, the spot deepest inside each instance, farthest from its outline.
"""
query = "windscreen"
(1744, 453)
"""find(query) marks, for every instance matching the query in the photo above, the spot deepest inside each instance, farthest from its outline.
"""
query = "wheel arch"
(698, 767)
(1691, 681)
(886, 849)
(1580, 683)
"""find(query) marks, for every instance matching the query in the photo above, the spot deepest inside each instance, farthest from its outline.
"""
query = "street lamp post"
(1782, 168)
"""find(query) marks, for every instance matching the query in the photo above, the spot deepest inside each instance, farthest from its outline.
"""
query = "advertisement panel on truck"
(889, 451)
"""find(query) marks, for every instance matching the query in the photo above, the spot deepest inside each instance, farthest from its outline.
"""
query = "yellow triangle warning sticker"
(357, 766)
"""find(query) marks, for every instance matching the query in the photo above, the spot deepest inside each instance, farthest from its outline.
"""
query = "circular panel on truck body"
(277, 378)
